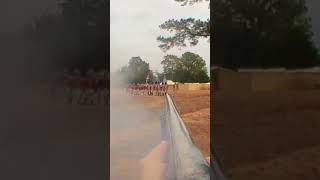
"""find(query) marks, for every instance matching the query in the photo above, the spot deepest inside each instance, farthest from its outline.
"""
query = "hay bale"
(204, 86)
(194, 86)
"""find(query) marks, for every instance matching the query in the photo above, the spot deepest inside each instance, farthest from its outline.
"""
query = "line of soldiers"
(88, 87)
(150, 89)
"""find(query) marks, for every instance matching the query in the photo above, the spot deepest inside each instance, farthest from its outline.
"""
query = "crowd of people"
(82, 87)
(150, 89)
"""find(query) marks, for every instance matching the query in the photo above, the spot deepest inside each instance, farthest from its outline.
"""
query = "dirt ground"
(134, 131)
(194, 108)
(268, 135)
(258, 135)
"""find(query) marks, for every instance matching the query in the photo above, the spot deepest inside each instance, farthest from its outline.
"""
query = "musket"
(184, 159)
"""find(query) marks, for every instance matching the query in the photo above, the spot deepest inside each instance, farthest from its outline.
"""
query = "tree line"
(189, 68)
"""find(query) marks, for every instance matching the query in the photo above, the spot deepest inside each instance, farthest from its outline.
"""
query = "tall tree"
(160, 76)
(136, 71)
(190, 2)
(189, 68)
(262, 33)
(192, 68)
(185, 30)
(169, 65)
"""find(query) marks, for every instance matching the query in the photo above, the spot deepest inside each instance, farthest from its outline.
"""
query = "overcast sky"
(135, 27)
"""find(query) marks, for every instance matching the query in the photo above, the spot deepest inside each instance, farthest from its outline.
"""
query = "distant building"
(170, 82)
